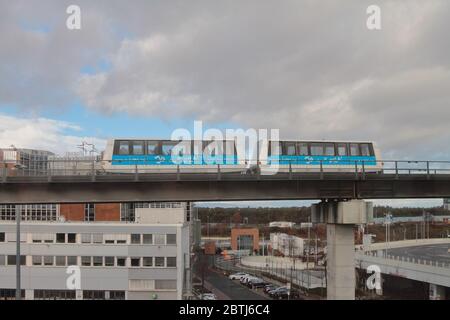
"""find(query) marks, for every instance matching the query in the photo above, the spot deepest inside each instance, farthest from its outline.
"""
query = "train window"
(167, 148)
(342, 149)
(365, 149)
(213, 148)
(302, 149)
(316, 149)
(329, 149)
(230, 150)
(152, 147)
(289, 148)
(124, 147)
(184, 148)
(138, 147)
(274, 148)
(354, 149)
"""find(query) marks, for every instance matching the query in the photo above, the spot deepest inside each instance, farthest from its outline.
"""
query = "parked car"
(252, 281)
(261, 284)
(209, 296)
(269, 287)
(244, 279)
(288, 294)
(274, 293)
(237, 276)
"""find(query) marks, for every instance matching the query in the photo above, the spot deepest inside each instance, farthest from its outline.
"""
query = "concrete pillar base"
(340, 262)
(437, 292)
(341, 217)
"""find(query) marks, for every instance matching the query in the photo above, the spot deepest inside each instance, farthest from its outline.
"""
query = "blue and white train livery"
(155, 155)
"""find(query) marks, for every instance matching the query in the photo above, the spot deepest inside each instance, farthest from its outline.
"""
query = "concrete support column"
(437, 292)
(341, 217)
(340, 262)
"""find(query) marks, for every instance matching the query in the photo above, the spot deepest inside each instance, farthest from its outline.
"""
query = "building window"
(60, 261)
(30, 212)
(10, 294)
(135, 262)
(127, 212)
(165, 284)
(117, 295)
(98, 261)
(37, 260)
(148, 261)
(36, 238)
(2, 237)
(97, 238)
(135, 238)
(171, 262)
(109, 261)
(160, 239)
(148, 238)
(159, 261)
(48, 260)
(54, 294)
(93, 295)
(11, 260)
(89, 212)
(86, 261)
(86, 238)
(171, 238)
(121, 261)
(60, 238)
(72, 261)
(71, 238)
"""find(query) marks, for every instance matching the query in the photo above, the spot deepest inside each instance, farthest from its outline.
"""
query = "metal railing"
(98, 170)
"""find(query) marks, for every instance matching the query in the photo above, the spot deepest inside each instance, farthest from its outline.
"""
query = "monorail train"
(155, 155)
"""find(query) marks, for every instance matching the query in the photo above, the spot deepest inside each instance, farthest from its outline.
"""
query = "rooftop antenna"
(82, 146)
(93, 149)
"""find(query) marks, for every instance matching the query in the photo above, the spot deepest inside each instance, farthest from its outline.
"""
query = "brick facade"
(107, 212)
(253, 232)
(72, 212)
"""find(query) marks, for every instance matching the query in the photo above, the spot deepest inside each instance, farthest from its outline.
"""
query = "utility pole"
(18, 286)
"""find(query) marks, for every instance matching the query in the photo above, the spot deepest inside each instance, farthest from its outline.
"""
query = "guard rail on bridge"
(96, 171)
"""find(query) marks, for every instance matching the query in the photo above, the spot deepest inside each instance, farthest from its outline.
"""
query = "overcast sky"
(145, 68)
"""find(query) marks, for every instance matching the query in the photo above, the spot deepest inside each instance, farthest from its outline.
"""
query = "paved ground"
(432, 252)
(232, 289)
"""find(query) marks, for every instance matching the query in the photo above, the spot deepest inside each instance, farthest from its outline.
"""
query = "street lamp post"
(18, 285)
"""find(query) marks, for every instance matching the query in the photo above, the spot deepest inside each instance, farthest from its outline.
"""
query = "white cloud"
(42, 133)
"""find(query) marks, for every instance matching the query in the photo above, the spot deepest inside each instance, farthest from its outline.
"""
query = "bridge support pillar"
(437, 292)
(341, 217)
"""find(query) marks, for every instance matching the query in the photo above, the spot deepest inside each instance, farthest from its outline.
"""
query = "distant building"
(446, 203)
(73, 163)
(245, 239)
(287, 245)
(24, 161)
(282, 224)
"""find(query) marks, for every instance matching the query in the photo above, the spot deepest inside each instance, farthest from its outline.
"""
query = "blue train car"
(155, 155)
